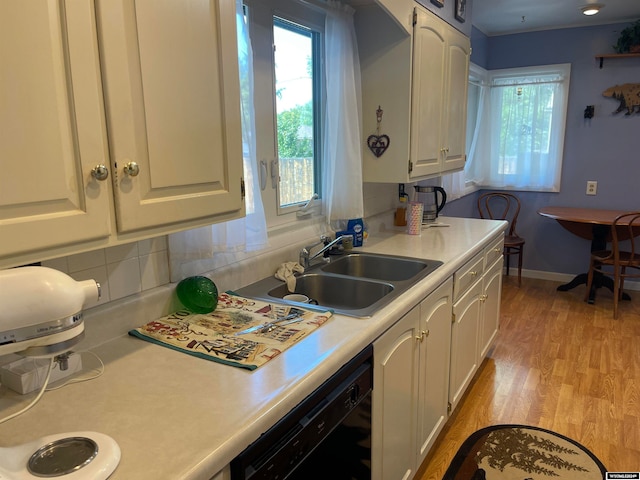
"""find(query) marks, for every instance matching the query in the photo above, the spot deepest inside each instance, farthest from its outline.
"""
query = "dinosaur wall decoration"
(629, 96)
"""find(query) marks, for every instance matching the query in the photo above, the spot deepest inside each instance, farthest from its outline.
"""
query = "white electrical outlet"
(592, 187)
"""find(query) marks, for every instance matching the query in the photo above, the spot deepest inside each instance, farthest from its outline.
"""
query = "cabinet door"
(427, 94)
(52, 130)
(393, 424)
(385, 63)
(455, 110)
(492, 294)
(433, 384)
(464, 342)
(172, 94)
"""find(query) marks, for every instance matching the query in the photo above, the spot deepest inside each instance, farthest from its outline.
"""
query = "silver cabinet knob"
(100, 172)
(132, 169)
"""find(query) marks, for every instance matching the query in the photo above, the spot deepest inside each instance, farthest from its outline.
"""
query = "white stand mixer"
(41, 316)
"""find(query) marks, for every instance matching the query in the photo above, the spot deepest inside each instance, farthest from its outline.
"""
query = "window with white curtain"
(526, 121)
(515, 130)
(287, 42)
(329, 131)
(308, 135)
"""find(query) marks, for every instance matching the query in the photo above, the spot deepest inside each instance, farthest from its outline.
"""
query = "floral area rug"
(215, 336)
(518, 452)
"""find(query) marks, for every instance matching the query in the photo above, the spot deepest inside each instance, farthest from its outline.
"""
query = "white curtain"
(481, 139)
(461, 183)
(342, 182)
(196, 247)
(526, 125)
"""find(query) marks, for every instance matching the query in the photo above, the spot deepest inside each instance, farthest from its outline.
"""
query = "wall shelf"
(615, 55)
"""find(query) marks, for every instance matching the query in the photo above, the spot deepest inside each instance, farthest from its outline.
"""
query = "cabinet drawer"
(493, 252)
(465, 276)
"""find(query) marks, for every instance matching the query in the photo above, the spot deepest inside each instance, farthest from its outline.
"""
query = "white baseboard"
(561, 277)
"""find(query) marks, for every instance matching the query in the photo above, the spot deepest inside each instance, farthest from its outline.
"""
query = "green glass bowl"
(198, 294)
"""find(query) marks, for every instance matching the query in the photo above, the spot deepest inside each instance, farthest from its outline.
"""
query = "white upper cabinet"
(52, 130)
(172, 95)
(454, 136)
(420, 83)
(428, 95)
(440, 73)
(120, 120)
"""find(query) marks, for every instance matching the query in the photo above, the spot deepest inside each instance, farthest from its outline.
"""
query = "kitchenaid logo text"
(58, 325)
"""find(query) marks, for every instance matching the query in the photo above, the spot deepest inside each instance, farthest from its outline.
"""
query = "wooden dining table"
(592, 224)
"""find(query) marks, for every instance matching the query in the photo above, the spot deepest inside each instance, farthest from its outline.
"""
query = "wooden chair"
(625, 226)
(504, 206)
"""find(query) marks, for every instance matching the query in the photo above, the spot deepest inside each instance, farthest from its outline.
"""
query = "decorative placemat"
(214, 336)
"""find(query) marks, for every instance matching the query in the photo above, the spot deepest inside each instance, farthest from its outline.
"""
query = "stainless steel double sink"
(354, 284)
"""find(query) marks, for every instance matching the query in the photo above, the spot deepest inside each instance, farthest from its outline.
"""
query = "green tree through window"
(297, 112)
(295, 127)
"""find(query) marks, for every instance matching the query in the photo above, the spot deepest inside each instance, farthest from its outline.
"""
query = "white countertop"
(177, 416)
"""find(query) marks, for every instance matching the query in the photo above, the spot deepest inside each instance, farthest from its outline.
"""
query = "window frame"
(261, 14)
(317, 52)
(564, 71)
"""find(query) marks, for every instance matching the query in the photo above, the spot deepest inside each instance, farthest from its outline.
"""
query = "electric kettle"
(429, 197)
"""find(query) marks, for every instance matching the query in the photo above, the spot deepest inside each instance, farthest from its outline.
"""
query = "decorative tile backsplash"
(122, 270)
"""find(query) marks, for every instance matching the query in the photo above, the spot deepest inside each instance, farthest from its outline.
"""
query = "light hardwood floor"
(560, 364)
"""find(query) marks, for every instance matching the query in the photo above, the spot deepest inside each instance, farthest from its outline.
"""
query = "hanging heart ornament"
(378, 144)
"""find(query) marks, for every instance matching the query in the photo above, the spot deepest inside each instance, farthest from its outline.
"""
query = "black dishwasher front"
(326, 436)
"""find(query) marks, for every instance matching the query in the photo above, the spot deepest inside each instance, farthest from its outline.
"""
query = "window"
(526, 121)
(515, 130)
(296, 51)
(286, 38)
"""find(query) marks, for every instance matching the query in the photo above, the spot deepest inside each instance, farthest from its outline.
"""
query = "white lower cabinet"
(490, 318)
(410, 386)
(464, 342)
(476, 316)
(393, 420)
(433, 384)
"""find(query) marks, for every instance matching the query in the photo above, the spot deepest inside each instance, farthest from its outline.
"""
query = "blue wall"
(605, 148)
(479, 48)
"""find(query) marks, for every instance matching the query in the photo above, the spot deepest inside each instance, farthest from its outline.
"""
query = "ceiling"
(500, 17)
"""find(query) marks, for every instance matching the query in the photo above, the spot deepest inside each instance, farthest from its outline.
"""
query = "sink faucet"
(305, 254)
